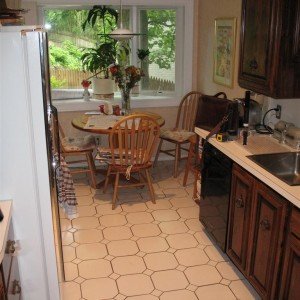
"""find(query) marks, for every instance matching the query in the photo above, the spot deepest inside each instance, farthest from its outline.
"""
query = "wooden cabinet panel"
(290, 287)
(266, 237)
(238, 226)
(270, 51)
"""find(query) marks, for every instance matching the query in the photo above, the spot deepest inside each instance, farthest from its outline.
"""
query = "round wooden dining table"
(81, 121)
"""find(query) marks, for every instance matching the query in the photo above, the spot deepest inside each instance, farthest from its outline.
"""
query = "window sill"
(140, 101)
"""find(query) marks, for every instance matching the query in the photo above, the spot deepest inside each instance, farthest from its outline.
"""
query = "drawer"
(295, 222)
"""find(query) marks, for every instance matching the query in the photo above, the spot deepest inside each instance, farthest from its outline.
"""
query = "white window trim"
(184, 49)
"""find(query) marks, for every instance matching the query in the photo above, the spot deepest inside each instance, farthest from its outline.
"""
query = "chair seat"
(104, 155)
(79, 143)
(176, 135)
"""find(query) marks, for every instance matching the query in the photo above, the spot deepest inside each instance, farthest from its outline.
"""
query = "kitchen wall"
(208, 10)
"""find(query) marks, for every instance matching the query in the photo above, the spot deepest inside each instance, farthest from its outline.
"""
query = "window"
(159, 26)
(164, 32)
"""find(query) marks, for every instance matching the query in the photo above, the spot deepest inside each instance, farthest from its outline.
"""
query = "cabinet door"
(258, 45)
(290, 288)
(239, 211)
(265, 241)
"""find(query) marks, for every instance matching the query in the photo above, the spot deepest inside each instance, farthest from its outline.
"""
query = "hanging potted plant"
(97, 59)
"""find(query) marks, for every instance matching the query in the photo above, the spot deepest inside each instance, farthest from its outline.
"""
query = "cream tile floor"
(145, 251)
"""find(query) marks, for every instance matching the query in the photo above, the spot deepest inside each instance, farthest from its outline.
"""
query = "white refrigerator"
(28, 133)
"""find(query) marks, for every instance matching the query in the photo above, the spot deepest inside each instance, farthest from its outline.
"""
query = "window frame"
(183, 56)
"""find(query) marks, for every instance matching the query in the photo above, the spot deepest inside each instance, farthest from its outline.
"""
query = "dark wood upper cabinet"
(270, 47)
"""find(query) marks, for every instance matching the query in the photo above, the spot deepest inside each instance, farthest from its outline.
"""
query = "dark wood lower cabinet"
(257, 220)
(289, 282)
(239, 216)
(2, 285)
(267, 225)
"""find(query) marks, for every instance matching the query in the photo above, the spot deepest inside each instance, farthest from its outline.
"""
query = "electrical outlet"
(278, 112)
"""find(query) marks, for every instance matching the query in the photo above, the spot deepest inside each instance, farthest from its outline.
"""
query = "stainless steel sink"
(285, 166)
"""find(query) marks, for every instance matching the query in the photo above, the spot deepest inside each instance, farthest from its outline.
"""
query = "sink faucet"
(282, 139)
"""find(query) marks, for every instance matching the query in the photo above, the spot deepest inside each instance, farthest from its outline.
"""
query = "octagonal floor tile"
(139, 218)
(71, 271)
(142, 297)
(215, 292)
(183, 202)
(169, 183)
(91, 251)
(169, 280)
(95, 268)
(243, 290)
(134, 285)
(85, 223)
(134, 207)
(173, 227)
(70, 291)
(88, 236)
(203, 238)
(160, 204)
(181, 241)
(191, 257)
(152, 244)
(215, 254)
(84, 200)
(128, 265)
(229, 271)
(67, 238)
(202, 275)
(171, 193)
(122, 248)
(99, 289)
(160, 261)
(194, 224)
(179, 295)
(82, 190)
(86, 211)
(68, 253)
(165, 215)
(189, 212)
(65, 224)
(112, 220)
(117, 233)
(106, 209)
(145, 230)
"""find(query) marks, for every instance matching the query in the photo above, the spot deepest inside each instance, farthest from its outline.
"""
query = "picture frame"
(224, 51)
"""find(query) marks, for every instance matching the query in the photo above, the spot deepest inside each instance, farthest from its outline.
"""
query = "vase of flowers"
(86, 94)
(126, 78)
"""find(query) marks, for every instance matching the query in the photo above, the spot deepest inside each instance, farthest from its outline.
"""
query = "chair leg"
(188, 164)
(92, 168)
(114, 200)
(157, 152)
(177, 156)
(150, 186)
(106, 179)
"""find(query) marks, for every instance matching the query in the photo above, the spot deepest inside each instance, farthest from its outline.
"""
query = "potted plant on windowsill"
(97, 59)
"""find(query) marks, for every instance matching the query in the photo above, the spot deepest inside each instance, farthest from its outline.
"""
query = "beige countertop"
(238, 153)
(6, 207)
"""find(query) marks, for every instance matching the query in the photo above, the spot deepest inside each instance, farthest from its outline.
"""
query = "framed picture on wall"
(224, 51)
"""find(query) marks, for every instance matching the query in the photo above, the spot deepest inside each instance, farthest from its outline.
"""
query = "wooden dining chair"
(184, 129)
(79, 147)
(132, 141)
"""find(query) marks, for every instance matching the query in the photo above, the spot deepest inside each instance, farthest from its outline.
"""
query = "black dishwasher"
(215, 193)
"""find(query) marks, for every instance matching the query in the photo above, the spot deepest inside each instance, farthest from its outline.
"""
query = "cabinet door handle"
(16, 287)
(265, 224)
(253, 64)
(239, 202)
